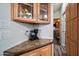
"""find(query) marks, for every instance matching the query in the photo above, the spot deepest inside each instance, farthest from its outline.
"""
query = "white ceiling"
(56, 6)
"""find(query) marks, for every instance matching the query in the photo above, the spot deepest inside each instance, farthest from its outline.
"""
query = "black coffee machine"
(33, 34)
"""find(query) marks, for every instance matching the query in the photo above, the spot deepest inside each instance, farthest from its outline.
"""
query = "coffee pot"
(33, 34)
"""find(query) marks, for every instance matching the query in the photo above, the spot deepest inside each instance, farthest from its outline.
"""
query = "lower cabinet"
(46, 51)
(43, 51)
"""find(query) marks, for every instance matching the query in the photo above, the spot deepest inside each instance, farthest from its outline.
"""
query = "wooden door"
(71, 30)
(74, 28)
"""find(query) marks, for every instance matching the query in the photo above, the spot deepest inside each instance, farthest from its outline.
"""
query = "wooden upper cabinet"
(44, 12)
(30, 12)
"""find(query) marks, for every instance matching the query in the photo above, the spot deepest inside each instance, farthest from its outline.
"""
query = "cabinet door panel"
(73, 8)
(73, 40)
(74, 30)
(46, 51)
(73, 49)
(44, 12)
(24, 12)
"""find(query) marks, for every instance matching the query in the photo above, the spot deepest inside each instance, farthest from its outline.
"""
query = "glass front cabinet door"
(24, 12)
(44, 12)
(31, 12)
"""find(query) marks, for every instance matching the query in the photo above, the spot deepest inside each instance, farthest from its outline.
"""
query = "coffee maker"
(33, 34)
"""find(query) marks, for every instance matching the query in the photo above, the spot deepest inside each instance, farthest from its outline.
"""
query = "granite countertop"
(27, 46)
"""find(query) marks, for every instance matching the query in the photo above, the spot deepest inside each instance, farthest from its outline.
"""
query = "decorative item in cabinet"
(44, 13)
(24, 12)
